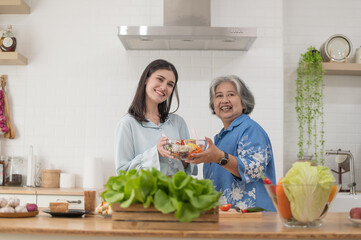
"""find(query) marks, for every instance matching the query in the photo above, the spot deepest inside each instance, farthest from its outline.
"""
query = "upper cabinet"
(332, 68)
(14, 7)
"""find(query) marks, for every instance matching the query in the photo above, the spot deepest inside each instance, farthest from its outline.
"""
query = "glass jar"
(14, 171)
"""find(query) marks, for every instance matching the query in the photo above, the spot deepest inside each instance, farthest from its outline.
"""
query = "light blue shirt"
(249, 143)
(136, 144)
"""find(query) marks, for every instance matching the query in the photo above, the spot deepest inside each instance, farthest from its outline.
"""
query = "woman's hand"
(212, 154)
(160, 147)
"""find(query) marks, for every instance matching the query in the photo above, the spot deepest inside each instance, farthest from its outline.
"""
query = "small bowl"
(182, 149)
(301, 205)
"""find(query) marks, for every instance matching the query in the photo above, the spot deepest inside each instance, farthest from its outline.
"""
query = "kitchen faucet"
(352, 183)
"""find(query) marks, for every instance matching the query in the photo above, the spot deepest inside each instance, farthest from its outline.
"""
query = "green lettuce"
(307, 188)
(184, 195)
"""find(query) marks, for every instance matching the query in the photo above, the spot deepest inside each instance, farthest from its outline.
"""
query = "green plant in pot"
(309, 106)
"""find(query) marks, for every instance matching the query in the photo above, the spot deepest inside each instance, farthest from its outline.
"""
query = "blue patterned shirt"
(249, 143)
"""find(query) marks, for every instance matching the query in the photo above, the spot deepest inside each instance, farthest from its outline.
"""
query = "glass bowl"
(182, 149)
(302, 205)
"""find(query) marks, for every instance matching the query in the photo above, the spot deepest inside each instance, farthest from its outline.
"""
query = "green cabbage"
(307, 188)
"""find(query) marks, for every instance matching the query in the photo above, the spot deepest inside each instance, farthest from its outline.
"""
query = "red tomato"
(225, 207)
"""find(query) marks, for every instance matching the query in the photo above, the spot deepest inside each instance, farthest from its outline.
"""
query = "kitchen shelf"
(342, 68)
(14, 7)
(12, 58)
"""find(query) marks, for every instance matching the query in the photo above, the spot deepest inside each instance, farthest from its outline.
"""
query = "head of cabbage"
(307, 188)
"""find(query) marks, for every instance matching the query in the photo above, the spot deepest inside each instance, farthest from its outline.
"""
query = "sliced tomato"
(225, 207)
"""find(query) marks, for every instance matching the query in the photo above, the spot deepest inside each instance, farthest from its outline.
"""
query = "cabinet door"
(75, 202)
(24, 198)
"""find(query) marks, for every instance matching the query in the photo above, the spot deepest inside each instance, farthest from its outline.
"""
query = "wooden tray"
(138, 217)
(19, 215)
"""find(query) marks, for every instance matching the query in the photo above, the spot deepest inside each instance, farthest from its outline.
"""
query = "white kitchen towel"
(67, 180)
(93, 173)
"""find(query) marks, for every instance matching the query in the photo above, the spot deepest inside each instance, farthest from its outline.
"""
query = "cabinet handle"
(75, 201)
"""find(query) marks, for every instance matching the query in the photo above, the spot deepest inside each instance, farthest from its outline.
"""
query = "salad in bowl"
(182, 149)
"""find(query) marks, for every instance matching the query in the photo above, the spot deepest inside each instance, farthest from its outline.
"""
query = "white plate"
(354, 220)
(338, 47)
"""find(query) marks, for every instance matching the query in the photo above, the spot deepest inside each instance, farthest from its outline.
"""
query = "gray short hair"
(247, 99)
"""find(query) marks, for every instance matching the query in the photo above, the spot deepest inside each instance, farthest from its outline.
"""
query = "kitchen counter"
(43, 226)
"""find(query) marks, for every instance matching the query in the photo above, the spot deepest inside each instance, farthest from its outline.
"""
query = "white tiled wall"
(80, 81)
(309, 23)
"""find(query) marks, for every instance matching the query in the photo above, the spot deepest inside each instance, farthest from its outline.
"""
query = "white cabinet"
(42, 196)
(24, 198)
(75, 202)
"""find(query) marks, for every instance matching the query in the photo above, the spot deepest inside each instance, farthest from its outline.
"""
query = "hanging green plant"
(309, 105)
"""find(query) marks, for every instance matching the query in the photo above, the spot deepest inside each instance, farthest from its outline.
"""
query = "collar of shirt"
(239, 120)
(151, 124)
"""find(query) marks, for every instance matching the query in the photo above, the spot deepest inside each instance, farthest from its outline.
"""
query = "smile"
(160, 92)
(226, 108)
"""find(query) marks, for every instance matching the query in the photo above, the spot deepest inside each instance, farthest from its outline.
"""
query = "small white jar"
(358, 55)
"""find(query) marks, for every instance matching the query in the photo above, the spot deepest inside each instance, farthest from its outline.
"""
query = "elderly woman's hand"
(212, 154)
(160, 147)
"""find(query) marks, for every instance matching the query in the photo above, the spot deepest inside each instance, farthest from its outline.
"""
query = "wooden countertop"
(336, 226)
(41, 191)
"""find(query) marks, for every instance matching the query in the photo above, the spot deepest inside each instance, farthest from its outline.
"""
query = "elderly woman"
(241, 152)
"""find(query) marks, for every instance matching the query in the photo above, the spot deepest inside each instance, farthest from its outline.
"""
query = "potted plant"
(309, 106)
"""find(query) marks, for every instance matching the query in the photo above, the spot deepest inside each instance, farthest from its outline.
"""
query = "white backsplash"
(80, 81)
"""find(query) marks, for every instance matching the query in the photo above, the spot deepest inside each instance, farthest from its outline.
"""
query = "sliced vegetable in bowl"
(182, 149)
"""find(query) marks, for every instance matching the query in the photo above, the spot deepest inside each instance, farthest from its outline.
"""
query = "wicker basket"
(50, 178)
(138, 217)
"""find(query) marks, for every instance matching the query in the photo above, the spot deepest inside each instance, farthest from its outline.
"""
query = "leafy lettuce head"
(307, 188)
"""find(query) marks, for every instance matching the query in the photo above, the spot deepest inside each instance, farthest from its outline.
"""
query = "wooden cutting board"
(232, 213)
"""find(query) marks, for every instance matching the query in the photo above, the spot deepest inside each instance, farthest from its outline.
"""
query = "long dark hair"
(138, 107)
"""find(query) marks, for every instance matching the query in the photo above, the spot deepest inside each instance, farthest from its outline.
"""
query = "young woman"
(141, 134)
(242, 149)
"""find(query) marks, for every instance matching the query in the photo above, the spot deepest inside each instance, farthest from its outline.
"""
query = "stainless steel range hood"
(186, 27)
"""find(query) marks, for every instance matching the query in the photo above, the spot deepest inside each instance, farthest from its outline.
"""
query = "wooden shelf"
(12, 58)
(14, 7)
(342, 68)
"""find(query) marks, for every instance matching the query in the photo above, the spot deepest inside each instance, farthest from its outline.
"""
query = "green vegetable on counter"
(184, 195)
(307, 188)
